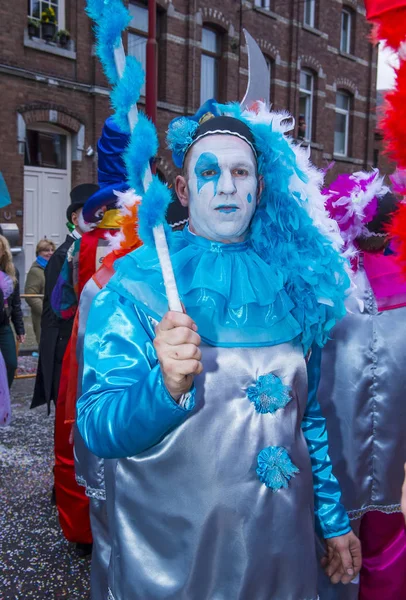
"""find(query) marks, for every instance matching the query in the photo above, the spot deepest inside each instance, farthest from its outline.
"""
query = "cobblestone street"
(36, 562)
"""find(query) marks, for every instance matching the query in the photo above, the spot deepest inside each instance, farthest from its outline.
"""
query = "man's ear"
(260, 188)
(182, 190)
(74, 219)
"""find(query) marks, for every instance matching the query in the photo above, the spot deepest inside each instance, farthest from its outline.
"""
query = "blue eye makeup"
(207, 169)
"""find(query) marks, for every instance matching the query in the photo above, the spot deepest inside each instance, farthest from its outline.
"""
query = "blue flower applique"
(269, 393)
(275, 469)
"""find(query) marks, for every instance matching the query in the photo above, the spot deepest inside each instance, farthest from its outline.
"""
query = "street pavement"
(36, 562)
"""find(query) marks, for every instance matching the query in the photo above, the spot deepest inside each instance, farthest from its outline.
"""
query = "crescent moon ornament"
(259, 78)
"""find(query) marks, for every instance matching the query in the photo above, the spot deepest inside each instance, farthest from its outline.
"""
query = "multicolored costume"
(89, 468)
(84, 258)
(362, 386)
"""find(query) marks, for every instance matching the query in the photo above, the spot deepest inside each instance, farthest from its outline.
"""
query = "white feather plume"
(125, 201)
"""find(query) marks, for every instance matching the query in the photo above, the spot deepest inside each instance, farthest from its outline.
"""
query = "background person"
(11, 310)
(362, 387)
(35, 283)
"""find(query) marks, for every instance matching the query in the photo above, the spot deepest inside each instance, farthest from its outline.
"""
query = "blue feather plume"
(152, 210)
(108, 29)
(142, 147)
(126, 92)
(94, 8)
(179, 137)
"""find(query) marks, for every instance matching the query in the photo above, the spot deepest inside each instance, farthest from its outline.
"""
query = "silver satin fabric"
(362, 394)
(101, 549)
(90, 471)
(191, 519)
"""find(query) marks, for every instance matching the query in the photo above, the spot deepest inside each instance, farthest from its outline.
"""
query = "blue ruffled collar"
(217, 247)
(235, 298)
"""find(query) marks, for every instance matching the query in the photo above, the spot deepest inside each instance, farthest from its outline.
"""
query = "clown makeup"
(82, 224)
(222, 188)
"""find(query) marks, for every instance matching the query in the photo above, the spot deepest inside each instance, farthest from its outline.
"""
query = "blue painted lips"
(227, 208)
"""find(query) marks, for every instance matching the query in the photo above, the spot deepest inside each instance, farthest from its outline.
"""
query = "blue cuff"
(186, 402)
(327, 536)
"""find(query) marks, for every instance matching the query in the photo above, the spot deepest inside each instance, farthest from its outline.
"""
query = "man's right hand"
(177, 347)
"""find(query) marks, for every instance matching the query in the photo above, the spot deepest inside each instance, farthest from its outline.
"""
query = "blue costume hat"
(111, 170)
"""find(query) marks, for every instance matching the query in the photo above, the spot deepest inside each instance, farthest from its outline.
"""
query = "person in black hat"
(55, 333)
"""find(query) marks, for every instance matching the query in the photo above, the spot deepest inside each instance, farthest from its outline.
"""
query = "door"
(46, 197)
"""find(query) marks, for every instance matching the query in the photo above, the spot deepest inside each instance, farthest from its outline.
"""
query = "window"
(209, 75)
(310, 12)
(138, 36)
(36, 8)
(376, 158)
(342, 123)
(345, 43)
(45, 149)
(266, 4)
(306, 93)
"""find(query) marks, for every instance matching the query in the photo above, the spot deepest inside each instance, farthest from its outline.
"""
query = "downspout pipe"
(151, 75)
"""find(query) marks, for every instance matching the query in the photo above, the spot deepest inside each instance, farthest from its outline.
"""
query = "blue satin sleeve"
(331, 516)
(124, 408)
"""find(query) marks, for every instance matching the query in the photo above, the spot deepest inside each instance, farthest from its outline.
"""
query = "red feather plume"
(394, 119)
(390, 27)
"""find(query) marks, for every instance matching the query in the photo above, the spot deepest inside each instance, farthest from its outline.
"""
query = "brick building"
(54, 97)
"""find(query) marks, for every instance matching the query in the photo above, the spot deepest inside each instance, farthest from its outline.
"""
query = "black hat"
(224, 125)
(79, 196)
(386, 206)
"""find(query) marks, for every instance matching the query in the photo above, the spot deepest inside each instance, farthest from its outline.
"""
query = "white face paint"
(222, 184)
(82, 224)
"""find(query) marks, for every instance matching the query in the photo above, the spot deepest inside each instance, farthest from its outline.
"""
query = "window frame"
(347, 113)
(135, 31)
(217, 58)
(312, 13)
(348, 49)
(310, 94)
(61, 21)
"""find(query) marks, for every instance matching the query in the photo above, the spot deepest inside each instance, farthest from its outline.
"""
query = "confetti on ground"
(27, 365)
(36, 562)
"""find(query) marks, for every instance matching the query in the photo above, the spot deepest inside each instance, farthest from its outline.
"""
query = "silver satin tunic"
(192, 520)
(362, 394)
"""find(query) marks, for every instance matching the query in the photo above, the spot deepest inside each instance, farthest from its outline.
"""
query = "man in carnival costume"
(222, 456)
(89, 469)
(363, 385)
(55, 332)
(84, 258)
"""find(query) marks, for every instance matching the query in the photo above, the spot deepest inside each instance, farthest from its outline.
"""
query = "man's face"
(222, 188)
(80, 223)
